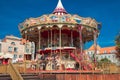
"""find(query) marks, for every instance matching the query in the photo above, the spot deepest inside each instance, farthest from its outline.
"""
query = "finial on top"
(59, 9)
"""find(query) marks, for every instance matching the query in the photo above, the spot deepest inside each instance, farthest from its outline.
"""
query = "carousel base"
(77, 75)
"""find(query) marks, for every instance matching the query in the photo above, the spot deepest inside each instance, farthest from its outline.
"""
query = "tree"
(105, 60)
(117, 41)
(104, 63)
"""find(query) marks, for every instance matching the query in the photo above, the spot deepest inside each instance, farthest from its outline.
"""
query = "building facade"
(101, 53)
(15, 48)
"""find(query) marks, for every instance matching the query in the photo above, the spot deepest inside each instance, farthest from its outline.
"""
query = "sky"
(13, 12)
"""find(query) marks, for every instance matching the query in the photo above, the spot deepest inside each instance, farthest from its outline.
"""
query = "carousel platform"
(65, 71)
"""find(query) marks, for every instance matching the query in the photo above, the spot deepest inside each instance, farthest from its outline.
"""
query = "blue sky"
(13, 12)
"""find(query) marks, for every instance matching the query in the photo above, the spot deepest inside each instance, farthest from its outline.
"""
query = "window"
(113, 56)
(97, 57)
(20, 56)
(105, 56)
(112, 51)
(9, 49)
(27, 46)
(101, 57)
(32, 47)
(0, 47)
(12, 43)
(27, 50)
(88, 53)
(92, 52)
(15, 49)
(28, 57)
(105, 51)
(32, 50)
(15, 56)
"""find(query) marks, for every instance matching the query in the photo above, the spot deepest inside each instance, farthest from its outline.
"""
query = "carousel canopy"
(59, 16)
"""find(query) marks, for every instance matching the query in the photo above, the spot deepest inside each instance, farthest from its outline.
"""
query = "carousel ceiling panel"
(55, 19)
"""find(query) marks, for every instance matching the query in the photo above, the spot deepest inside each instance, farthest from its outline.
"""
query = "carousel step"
(5, 77)
(30, 76)
(47, 76)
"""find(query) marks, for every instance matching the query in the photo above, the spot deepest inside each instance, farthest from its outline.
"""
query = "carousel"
(59, 39)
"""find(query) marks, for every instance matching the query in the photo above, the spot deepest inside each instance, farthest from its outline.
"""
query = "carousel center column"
(60, 27)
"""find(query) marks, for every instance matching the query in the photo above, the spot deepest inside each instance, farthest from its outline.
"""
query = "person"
(58, 62)
(42, 56)
(0, 61)
(43, 62)
(4, 61)
(77, 66)
(54, 60)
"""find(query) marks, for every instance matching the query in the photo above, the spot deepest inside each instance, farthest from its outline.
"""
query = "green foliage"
(103, 63)
(117, 41)
(105, 60)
